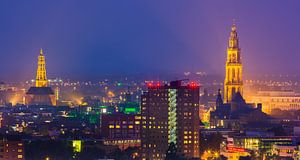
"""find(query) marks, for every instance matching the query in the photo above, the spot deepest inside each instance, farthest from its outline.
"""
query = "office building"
(170, 114)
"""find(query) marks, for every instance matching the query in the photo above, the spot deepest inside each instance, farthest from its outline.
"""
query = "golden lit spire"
(41, 78)
(233, 82)
(41, 51)
(233, 27)
(233, 39)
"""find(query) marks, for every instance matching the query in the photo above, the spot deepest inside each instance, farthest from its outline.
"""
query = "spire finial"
(233, 28)
(219, 98)
(41, 51)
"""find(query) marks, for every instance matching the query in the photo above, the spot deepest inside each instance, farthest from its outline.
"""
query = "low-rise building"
(11, 150)
(122, 130)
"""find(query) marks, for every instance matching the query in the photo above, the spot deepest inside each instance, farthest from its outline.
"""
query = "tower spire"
(233, 39)
(219, 101)
(233, 27)
(41, 51)
(233, 82)
(41, 77)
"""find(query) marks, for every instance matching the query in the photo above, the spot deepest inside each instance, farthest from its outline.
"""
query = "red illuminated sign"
(236, 149)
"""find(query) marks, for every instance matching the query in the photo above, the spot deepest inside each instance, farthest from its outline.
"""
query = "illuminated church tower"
(41, 93)
(41, 77)
(233, 79)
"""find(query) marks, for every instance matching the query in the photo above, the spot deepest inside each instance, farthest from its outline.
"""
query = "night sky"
(94, 38)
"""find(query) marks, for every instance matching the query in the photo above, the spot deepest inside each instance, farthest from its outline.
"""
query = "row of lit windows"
(187, 142)
(119, 122)
(187, 132)
(154, 127)
(285, 100)
(121, 141)
(187, 137)
(6, 144)
(187, 113)
(118, 126)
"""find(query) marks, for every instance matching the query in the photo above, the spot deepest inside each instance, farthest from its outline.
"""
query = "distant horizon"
(161, 76)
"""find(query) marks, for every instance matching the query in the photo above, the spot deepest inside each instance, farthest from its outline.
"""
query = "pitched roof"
(40, 90)
(237, 97)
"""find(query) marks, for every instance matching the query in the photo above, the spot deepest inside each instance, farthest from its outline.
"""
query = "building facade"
(234, 69)
(283, 100)
(12, 150)
(122, 130)
(170, 115)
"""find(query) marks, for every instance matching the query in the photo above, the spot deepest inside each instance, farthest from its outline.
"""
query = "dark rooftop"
(40, 90)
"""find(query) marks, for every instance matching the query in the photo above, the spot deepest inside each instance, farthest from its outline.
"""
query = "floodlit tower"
(41, 77)
(233, 79)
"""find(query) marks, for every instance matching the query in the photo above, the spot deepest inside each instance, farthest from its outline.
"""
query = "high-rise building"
(234, 69)
(41, 94)
(170, 114)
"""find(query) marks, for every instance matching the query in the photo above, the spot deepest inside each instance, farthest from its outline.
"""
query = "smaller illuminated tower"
(233, 82)
(41, 93)
(41, 77)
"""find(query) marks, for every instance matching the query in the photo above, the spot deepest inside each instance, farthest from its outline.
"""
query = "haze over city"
(149, 80)
(87, 40)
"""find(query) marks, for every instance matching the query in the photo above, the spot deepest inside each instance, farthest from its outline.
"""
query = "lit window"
(137, 122)
(20, 156)
(19, 150)
(111, 126)
(130, 126)
(117, 126)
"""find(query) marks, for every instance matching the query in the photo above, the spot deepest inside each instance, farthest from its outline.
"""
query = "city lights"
(180, 80)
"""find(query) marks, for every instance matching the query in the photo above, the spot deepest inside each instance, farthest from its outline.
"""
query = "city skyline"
(205, 80)
(104, 38)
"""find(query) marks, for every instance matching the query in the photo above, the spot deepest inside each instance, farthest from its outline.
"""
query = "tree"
(210, 142)
(172, 153)
(59, 150)
(130, 151)
(91, 153)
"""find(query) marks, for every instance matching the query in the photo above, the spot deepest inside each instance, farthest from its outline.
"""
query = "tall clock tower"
(41, 77)
(234, 69)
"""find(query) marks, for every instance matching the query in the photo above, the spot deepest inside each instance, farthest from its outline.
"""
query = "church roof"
(40, 90)
(237, 97)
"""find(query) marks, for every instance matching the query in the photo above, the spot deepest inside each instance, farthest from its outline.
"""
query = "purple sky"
(92, 38)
